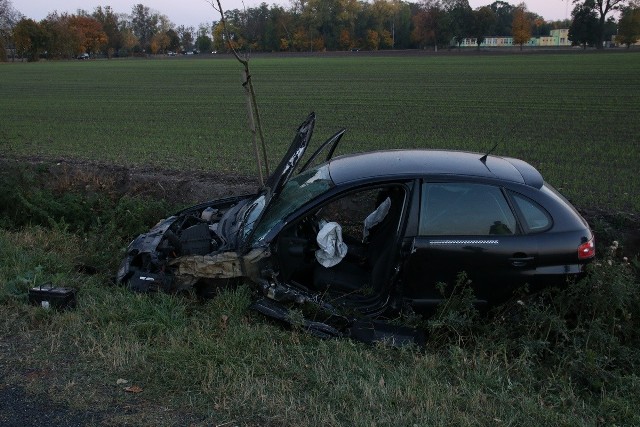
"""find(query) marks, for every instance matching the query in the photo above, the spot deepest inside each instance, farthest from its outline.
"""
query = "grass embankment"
(572, 116)
(569, 359)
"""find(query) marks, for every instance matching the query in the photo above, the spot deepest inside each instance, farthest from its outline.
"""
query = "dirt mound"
(177, 187)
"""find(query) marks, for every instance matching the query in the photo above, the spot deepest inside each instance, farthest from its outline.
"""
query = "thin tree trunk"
(252, 125)
(252, 105)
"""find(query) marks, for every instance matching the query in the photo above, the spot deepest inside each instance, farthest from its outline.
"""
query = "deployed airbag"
(376, 217)
(332, 247)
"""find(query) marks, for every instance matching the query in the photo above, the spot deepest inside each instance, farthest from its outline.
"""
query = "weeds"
(456, 319)
(560, 357)
(587, 333)
(103, 221)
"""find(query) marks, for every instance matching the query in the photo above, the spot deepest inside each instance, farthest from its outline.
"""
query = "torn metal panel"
(225, 265)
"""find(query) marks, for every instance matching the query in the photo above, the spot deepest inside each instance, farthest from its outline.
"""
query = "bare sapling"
(255, 125)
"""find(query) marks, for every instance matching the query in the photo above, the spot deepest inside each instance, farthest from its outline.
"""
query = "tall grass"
(220, 362)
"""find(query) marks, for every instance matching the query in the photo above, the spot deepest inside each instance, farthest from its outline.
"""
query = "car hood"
(277, 180)
(287, 165)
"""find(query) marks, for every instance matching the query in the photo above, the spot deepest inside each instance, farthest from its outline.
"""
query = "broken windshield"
(297, 191)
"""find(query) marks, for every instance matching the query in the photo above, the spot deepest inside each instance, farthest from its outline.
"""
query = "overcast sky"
(194, 12)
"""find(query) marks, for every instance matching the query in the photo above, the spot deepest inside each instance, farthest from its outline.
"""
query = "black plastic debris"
(372, 331)
(196, 240)
(150, 282)
(50, 296)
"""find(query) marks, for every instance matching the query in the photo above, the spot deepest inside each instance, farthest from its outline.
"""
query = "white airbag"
(332, 247)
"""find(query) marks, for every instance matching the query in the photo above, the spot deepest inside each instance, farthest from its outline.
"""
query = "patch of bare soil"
(176, 187)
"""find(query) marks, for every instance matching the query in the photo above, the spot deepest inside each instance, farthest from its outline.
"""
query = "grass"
(570, 358)
(219, 362)
(571, 116)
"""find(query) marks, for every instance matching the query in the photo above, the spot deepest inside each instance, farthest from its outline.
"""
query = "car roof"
(432, 163)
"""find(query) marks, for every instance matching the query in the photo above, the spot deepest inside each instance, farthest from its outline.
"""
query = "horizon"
(196, 12)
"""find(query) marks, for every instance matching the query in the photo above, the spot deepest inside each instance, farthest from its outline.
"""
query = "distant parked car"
(83, 56)
(369, 234)
(171, 53)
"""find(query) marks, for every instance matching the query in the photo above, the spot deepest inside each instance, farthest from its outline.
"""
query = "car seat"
(373, 274)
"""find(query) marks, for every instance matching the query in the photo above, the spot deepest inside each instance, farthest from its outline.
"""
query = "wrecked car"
(354, 238)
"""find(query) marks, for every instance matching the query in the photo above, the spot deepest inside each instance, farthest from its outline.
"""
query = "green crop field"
(573, 116)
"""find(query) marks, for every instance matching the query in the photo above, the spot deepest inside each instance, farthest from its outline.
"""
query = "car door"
(470, 227)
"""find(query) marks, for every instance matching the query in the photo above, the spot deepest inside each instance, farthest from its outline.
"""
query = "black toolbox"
(50, 296)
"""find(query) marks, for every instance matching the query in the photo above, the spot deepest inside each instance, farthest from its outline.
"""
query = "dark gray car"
(359, 236)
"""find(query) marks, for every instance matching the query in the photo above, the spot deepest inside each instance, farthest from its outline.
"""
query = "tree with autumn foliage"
(383, 15)
(60, 39)
(307, 25)
(431, 26)
(145, 23)
(373, 40)
(521, 26)
(345, 41)
(159, 43)
(111, 26)
(129, 41)
(29, 38)
(89, 34)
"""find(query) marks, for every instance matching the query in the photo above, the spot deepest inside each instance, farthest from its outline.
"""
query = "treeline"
(307, 25)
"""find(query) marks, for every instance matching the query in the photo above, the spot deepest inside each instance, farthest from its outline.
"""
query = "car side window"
(458, 208)
(534, 216)
(352, 210)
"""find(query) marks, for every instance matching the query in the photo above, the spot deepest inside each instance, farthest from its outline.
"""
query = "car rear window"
(534, 216)
(464, 209)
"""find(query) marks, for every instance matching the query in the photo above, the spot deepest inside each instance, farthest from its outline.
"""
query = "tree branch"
(248, 85)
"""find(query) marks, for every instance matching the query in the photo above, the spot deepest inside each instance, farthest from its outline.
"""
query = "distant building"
(561, 36)
(555, 39)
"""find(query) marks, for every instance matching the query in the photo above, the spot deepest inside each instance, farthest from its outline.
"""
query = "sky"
(194, 12)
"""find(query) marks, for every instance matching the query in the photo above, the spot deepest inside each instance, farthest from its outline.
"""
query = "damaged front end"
(215, 244)
(208, 244)
(194, 249)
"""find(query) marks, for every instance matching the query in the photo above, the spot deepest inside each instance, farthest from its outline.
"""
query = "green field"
(573, 116)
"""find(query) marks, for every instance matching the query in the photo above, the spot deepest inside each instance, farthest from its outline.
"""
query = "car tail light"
(587, 250)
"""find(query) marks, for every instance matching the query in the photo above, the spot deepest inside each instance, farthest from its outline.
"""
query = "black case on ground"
(49, 296)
